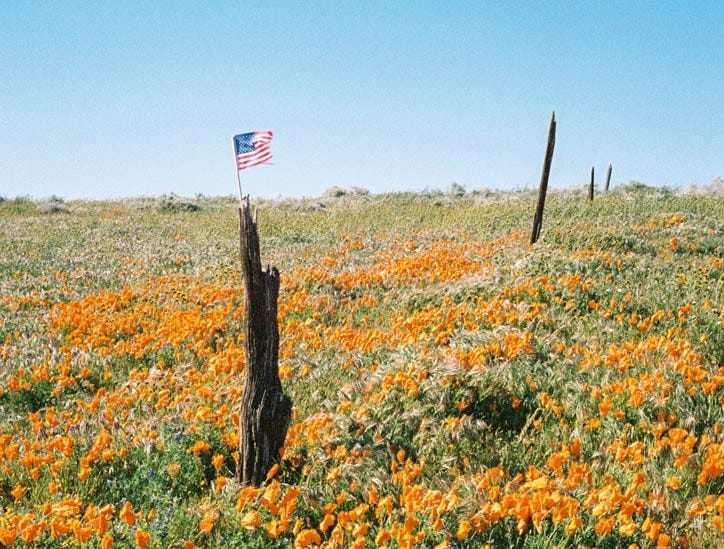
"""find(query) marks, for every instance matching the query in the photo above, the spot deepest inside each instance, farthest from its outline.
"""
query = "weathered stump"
(265, 410)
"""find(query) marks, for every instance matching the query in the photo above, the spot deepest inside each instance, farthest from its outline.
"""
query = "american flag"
(252, 148)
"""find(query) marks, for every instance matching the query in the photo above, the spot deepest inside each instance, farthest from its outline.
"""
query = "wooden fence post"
(608, 177)
(590, 187)
(538, 218)
(265, 410)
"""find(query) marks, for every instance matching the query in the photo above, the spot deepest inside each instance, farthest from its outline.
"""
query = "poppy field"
(453, 386)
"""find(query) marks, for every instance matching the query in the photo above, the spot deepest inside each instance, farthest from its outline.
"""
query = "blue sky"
(122, 99)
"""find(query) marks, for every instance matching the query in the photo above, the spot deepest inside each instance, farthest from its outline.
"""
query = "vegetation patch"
(174, 204)
(453, 386)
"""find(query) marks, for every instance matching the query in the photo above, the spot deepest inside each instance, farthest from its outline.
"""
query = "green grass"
(464, 386)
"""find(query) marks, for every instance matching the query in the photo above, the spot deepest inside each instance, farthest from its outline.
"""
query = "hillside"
(453, 386)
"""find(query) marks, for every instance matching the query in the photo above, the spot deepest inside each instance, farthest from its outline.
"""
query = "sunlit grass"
(453, 386)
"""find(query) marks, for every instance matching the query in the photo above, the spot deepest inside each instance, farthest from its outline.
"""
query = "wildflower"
(217, 461)
(307, 537)
(246, 494)
(593, 424)
(101, 521)
(327, 522)
(627, 528)
(30, 532)
(142, 538)
(276, 527)
(372, 495)
(361, 530)
(272, 471)
(604, 526)
(463, 530)
(651, 528)
(127, 515)
(198, 448)
(219, 483)
(713, 467)
(383, 536)
(604, 406)
(18, 491)
(59, 527)
(82, 533)
(207, 523)
(405, 534)
(251, 520)
(8, 535)
(556, 462)
(573, 524)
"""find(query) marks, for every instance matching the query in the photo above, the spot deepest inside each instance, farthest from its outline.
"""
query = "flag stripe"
(252, 149)
(253, 159)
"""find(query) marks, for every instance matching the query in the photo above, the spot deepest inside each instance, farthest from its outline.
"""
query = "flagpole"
(238, 177)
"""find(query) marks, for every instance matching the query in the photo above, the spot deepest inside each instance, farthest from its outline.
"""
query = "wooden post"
(538, 218)
(608, 178)
(265, 410)
(590, 187)
(238, 177)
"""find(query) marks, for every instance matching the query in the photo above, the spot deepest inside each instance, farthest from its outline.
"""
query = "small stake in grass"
(265, 409)
(590, 186)
(608, 178)
(538, 219)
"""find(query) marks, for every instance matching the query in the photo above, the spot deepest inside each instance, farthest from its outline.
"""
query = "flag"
(252, 148)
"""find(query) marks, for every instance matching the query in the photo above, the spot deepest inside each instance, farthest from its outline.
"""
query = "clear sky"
(121, 99)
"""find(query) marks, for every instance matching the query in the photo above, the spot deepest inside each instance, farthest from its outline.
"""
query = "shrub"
(173, 204)
(456, 189)
(53, 205)
(334, 192)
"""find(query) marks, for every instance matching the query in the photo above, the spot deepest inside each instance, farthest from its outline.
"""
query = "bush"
(17, 205)
(456, 189)
(173, 204)
(334, 192)
(53, 205)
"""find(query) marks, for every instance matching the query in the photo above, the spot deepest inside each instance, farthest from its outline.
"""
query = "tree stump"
(265, 410)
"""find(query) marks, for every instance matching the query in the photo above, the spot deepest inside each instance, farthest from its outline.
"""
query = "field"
(453, 386)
